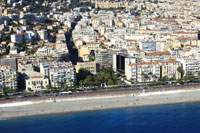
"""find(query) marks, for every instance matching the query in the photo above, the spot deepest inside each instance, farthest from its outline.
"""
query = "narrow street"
(73, 52)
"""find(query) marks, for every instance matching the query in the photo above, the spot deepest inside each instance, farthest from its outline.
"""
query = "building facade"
(62, 76)
(36, 83)
(143, 72)
(169, 68)
(90, 66)
(8, 77)
(191, 67)
(18, 37)
(104, 58)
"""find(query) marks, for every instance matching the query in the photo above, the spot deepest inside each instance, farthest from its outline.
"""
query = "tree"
(23, 43)
(173, 78)
(49, 87)
(34, 83)
(41, 84)
(150, 73)
(153, 83)
(119, 82)
(107, 76)
(7, 49)
(58, 83)
(30, 52)
(99, 78)
(114, 76)
(199, 75)
(83, 70)
(165, 78)
(29, 89)
(88, 81)
(9, 90)
(91, 57)
(96, 82)
(132, 80)
(179, 81)
(5, 37)
(104, 77)
(103, 47)
(144, 76)
(110, 82)
(180, 70)
(81, 82)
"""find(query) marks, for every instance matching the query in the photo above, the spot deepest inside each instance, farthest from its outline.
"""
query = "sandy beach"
(97, 102)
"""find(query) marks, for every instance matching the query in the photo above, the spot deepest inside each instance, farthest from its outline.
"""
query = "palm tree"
(180, 70)
(199, 75)
(58, 83)
(132, 80)
(41, 84)
(142, 74)
(81, 83)
(34, 83)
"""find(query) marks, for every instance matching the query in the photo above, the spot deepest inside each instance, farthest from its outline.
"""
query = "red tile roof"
(37, 77)
(158, 53)
(143, 63)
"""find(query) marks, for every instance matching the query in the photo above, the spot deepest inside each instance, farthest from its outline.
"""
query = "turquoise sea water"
(177, 118)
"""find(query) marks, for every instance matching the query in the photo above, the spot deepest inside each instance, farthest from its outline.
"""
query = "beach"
(98, 102)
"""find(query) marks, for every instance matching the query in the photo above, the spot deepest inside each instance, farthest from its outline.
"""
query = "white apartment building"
(149, 71)
(62, 76)
(190, 66)
(35, 81)
(8, 77)
(143, 71)
(44, 66)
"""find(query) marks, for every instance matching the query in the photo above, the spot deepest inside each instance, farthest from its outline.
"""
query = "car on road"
(65, 93)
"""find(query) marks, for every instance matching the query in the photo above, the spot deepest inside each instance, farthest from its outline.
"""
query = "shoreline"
(105, 102)
(57, 113)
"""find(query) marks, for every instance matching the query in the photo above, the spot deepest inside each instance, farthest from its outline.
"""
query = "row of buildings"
(148, 41)
(34, 53)
(146, 44)
(34, 74)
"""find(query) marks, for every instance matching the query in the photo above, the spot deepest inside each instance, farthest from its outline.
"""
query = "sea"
(176, 118)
